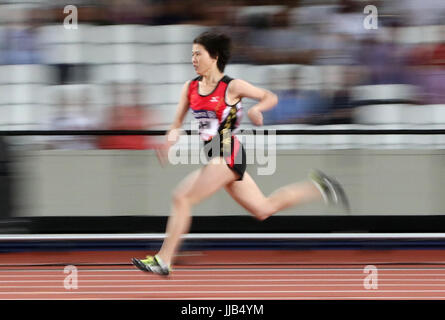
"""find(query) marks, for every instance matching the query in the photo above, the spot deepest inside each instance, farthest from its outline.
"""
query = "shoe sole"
(342, 197)
(141, 266)
(338, 191)
(322, 176)
(138, 264)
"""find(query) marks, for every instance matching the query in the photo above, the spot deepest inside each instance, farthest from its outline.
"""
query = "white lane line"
(245, 298)
(221, 280)
(231, 271)
(228, 269)
(358, 284)
(162, 282)
(217, 291)
(222, 276)
(271, 269)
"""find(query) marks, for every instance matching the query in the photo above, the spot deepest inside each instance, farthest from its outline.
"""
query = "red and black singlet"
(219, 119)
(212, 111)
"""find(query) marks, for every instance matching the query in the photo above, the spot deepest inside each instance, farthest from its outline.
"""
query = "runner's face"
(201, 60)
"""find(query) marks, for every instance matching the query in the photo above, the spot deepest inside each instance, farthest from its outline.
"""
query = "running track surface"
(233, 275)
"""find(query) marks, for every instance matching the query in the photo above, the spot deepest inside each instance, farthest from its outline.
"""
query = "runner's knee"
(183, 198)
(263, 211)
(179, 197)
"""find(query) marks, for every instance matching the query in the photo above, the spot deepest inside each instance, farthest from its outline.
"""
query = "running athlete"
(215, 101)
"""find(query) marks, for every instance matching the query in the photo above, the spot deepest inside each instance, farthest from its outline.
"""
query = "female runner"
(215, 101)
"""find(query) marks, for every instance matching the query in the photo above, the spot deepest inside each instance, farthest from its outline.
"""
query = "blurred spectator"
(427, 71)
(435, 82)
(342, 106)
(341, 29)
(420, 12)
(68, 117)
(129, 11)
(178, 12)
(272, 40)
(385, 60)
(126, 114)
(297, 104)
(217, 13)
(20, 39)
(348, 20)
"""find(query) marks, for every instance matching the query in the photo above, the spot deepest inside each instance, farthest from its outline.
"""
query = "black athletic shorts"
(233, 153)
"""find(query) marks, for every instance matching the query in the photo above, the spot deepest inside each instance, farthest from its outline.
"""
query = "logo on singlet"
(214, 99)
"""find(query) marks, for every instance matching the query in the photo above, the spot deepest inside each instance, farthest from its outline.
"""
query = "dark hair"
(217, 45)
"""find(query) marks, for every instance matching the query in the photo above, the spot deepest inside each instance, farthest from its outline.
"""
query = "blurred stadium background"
(124, 66)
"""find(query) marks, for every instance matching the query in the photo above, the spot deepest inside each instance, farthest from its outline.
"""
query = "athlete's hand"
(171, 138)
(162, 154)
(255, 116)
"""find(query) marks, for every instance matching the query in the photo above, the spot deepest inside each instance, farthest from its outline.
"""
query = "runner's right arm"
(173, 132)
(181, 111)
